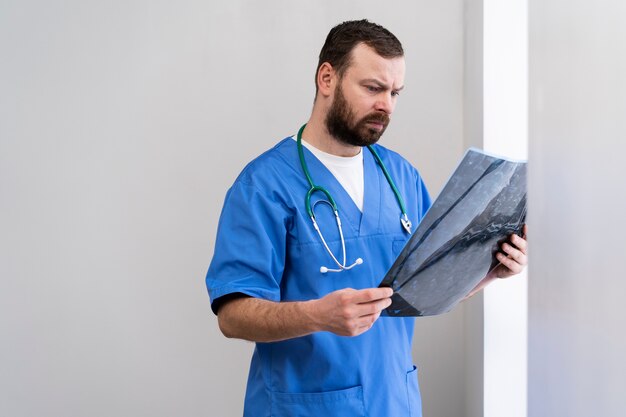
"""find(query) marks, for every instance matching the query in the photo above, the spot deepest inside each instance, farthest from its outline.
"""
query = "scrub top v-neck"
(369, 218)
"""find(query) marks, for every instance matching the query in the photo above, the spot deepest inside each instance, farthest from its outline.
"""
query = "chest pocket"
(346, 402)
(397, 246)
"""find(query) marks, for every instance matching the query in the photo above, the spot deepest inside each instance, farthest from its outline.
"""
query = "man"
(321, 347)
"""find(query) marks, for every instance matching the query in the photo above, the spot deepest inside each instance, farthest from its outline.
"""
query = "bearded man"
(308, 231)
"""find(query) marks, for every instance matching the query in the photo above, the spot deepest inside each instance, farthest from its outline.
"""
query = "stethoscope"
(341, 266)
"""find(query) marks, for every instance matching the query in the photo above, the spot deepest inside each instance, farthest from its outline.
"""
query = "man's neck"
(317, 135)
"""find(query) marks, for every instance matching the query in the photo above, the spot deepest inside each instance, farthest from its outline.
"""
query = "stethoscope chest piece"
(406, 223)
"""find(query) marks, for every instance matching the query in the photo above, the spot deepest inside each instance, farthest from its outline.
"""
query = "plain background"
(578, 196)
(122, 125)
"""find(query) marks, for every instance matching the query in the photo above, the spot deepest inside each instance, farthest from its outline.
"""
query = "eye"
(395, 93)
(372, 89)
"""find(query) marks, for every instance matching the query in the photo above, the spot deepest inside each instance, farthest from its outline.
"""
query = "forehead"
(365, 63)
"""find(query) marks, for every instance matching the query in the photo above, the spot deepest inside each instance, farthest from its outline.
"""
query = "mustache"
(377, 117)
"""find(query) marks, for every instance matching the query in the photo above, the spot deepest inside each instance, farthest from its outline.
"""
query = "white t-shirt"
(348, 170)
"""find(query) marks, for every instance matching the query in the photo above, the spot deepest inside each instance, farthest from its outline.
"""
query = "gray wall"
(473, 121)
(577, 201)
(122, 124)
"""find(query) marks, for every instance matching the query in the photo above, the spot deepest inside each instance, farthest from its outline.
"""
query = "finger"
(510, 263)
(366, 322)
(519, 242)
(358, 326)
(374, 307)
(371, 294)
(514, 253)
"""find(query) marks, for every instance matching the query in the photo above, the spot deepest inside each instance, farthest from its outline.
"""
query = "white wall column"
(496, 120)
(505, 133)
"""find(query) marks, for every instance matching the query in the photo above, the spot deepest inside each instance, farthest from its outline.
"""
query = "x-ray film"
(454, 246)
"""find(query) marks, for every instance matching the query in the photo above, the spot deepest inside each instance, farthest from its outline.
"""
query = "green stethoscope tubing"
(404, 219)
(315, 188)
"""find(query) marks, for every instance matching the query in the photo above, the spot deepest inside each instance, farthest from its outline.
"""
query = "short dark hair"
(342, 39)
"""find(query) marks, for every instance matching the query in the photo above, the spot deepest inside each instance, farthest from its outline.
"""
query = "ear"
(326, 76)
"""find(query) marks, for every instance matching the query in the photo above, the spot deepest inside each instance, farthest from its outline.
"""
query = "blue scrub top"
(266, 247)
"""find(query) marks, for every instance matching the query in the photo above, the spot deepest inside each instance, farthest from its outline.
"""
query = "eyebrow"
(381, 84)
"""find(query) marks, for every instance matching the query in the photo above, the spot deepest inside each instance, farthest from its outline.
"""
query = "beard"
(342, 126)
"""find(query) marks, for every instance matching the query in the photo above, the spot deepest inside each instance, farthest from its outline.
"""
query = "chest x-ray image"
(454, 246)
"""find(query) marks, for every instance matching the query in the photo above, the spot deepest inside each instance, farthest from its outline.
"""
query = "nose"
(385, 103)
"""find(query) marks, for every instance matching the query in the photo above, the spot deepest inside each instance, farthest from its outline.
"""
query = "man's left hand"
(513, 258)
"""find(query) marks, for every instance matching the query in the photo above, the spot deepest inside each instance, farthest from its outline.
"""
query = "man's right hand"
(349, 312)
(344, 312)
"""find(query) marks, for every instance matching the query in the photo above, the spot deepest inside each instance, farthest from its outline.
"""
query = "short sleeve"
(250, 246)
(423, 198)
